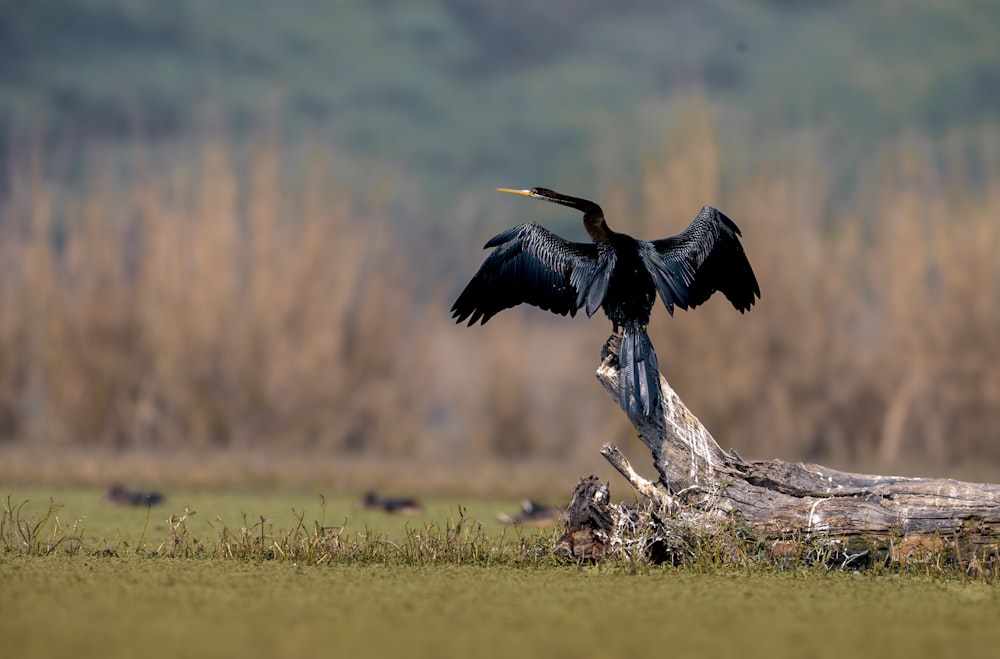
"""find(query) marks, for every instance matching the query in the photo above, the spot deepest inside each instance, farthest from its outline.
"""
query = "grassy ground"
(91, 606)
(208, 513)
(452, 582)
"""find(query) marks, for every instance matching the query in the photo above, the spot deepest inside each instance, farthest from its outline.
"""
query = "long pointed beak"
(523, 193)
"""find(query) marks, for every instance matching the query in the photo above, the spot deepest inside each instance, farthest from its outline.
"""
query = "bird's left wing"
(529, 264)
(706, 257)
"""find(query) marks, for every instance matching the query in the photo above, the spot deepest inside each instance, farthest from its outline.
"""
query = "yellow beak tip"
(524, 193)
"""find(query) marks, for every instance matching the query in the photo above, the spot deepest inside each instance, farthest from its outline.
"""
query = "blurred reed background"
(225, 305)
(230, 233)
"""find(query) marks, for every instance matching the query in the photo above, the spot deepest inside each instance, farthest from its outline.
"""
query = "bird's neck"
(597, 227)
(593, 215)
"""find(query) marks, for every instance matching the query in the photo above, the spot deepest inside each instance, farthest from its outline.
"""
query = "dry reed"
(196, 309)
(230, 305)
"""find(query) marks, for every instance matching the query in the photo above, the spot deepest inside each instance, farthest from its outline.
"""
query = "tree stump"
(702, 488)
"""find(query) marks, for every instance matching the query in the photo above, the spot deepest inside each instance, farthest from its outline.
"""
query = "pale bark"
(703, 484)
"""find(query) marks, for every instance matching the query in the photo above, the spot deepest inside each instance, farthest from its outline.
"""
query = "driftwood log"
(701, 487)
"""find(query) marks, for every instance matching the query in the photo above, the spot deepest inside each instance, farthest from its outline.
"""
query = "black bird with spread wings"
(615, 272)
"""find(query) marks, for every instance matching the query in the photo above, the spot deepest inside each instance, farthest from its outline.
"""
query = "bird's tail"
(639, 391)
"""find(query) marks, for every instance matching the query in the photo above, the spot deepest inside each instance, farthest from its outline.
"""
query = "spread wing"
(706, 257)
(529, 264)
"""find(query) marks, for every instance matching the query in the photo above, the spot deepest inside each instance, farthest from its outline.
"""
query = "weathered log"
(589, 520)
(778, 501)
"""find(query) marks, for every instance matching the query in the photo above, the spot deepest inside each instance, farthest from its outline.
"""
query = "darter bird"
(616, 273)
(534, 514)
(396, 506)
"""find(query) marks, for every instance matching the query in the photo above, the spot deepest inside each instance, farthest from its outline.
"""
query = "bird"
(395, 506)
(534, 514)
(614, 272)
(117, 495)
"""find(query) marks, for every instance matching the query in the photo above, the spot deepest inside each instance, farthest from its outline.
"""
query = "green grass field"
(110, 599)
(92, 606)
(212, 509)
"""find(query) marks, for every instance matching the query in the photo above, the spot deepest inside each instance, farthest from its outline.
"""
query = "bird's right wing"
(529, 264)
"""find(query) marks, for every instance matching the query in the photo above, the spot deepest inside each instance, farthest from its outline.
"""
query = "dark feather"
(529, 264)
(639, 376)
(593, 285)
(706, 257)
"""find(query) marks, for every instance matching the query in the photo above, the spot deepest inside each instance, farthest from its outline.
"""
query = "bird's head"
(588, 208)
(537, 193)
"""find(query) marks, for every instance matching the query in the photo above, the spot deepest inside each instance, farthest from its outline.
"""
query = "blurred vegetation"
(226, 306)
(239, 225)
(479, 93)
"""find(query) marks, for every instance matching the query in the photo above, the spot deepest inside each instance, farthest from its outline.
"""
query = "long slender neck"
(593, 217)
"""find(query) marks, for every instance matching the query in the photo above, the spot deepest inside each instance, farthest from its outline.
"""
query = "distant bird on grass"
(534, 514)
(117, 495)
(616, 273)
(396, 506)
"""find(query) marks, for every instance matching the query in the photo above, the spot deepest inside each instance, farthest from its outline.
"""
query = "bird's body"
(534, 514)
(395, 506)
(117, 495)
(617, 273)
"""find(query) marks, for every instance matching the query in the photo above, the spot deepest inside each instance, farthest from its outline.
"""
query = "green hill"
(503, 93)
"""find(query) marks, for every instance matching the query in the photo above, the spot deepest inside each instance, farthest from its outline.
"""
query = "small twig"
(646, 488)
